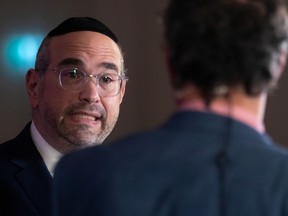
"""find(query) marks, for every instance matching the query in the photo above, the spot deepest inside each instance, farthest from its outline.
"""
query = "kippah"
(75, 24)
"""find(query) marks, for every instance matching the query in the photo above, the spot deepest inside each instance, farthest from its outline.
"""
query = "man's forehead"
(86, 46)
(84, 41)
(84, 37)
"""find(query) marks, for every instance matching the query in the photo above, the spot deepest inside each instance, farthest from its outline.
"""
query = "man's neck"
(239, 106)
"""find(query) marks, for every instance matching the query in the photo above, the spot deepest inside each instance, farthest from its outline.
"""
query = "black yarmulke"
(74, 24)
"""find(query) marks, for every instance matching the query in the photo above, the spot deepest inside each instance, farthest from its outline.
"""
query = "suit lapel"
(33, 177)
(36, 182)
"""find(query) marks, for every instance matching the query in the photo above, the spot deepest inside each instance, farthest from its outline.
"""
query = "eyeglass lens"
(73, 79)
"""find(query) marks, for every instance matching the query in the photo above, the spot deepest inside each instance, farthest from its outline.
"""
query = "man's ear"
(123, 89)
(32, 81)
(283, 58)
(279, 62)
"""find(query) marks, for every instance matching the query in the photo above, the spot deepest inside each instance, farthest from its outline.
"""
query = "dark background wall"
(137, 23)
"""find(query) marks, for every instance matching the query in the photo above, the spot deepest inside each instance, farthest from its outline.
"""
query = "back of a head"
(225, 42)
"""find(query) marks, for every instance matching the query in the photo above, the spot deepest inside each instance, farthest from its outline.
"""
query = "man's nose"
(90, 91)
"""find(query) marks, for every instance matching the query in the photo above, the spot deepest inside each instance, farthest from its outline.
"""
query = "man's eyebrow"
(71, 61)
(108, 65)
(78, 62)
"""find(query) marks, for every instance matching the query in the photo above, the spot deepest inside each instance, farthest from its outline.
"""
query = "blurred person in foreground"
(75, 93)
(212, 157)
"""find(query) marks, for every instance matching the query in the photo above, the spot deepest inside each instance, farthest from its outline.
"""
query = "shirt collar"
(50, 155)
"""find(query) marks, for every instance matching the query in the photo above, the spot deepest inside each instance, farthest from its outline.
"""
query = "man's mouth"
(92, 118)
(86, 116)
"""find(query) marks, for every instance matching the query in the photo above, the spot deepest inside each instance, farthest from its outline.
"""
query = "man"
(212, 157)
(75, 92)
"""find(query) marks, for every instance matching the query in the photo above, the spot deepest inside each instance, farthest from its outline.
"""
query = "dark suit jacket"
(25, 182)
(178, 170)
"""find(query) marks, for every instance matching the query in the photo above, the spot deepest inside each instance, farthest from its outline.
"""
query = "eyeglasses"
(74, 80)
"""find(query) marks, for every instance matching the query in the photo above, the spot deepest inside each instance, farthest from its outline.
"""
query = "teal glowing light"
(21, 50)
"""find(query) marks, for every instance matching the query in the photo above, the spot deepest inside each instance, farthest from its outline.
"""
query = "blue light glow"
(20, 51)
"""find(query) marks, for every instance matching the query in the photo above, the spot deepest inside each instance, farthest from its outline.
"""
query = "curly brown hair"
(224, 42)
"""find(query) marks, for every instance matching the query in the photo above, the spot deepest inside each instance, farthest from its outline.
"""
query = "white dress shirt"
(50, 155)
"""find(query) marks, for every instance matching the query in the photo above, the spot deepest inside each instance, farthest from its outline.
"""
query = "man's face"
(72, 120)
